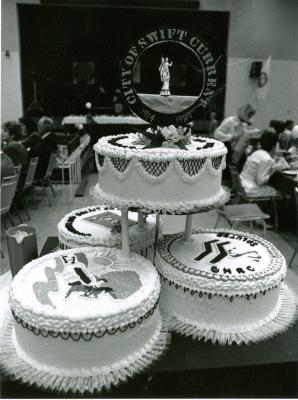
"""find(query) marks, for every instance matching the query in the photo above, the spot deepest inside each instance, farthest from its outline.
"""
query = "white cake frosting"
(221, 283)
(222, 262)
(101, 226)
(32, 299)
(93, 311)
(159, 178)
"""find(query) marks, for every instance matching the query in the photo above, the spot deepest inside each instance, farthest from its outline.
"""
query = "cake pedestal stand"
(124, 233)
(188, 228)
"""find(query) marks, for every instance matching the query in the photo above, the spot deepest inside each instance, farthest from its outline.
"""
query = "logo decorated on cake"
(77, 276)
(158, 75)
(222, 253)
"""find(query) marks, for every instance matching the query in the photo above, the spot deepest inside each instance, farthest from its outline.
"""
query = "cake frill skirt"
(14, 365)
(283, 317)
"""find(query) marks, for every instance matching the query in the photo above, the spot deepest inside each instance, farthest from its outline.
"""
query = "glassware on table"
(22, 246)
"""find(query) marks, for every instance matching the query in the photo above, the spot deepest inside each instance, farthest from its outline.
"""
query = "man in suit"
(41, 144)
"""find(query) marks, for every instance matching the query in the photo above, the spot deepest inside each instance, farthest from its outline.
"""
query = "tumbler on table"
(22, 246)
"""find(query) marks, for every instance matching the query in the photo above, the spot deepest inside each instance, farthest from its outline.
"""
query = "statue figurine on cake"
(165, 76)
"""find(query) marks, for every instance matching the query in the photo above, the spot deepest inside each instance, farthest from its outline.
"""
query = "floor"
(45, 220)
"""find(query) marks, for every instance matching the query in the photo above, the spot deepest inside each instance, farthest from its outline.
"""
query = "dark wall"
(53, 37)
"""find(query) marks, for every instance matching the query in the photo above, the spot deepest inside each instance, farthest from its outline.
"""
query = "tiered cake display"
(88, 317)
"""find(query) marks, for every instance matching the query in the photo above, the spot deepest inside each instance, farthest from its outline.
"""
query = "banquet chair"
(242, 196)
(46, 180)
(247, 212)
(8, 190)
(27, 184)
(296, 248)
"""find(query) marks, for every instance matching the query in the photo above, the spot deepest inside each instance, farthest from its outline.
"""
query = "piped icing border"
(182, 207)
(36, 317)
(215, 283)
(106, 147)
(156, 172)
(87, 336)
(70, 237)
(207, 295)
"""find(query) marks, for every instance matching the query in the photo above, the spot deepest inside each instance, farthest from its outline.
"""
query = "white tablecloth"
(105, 120)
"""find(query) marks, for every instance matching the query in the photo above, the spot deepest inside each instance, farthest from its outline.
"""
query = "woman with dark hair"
(260, 166)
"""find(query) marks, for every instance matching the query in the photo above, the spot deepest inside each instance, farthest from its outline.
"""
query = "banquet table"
(284, 182)
(104, 125)
(197, 369)
(104, 120)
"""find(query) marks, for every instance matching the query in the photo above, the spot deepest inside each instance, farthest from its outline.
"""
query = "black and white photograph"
(149, 199)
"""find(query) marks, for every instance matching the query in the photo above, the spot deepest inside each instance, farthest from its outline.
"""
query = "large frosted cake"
(224, 286)
(160, 178)
(101, 226)
(84, 319)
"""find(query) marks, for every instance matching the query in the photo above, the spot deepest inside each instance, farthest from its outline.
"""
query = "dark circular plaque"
(167, 76)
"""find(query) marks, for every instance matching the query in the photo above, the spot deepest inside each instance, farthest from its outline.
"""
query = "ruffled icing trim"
(36, 317)
(181, 207)
(103, 147)
(19, 366)
(218, 284)
(281, 318)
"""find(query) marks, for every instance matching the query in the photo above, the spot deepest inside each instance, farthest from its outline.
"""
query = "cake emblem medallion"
(160, 52)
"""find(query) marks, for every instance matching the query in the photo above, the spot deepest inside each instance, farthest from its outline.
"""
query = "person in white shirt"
(231, 128)
(260, 166)
(234, 129)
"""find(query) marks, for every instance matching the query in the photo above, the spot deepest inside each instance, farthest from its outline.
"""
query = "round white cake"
(84, 319)
(101, 226)
(225, 286)
(161, 178)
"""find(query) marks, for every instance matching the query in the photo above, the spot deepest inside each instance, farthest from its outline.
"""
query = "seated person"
(32, 144)
(285, 137)
(292, 156)
(7, 167)
(260, 166)
(13, 132)
(41, 144)
(231, 130)
(245, 145)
